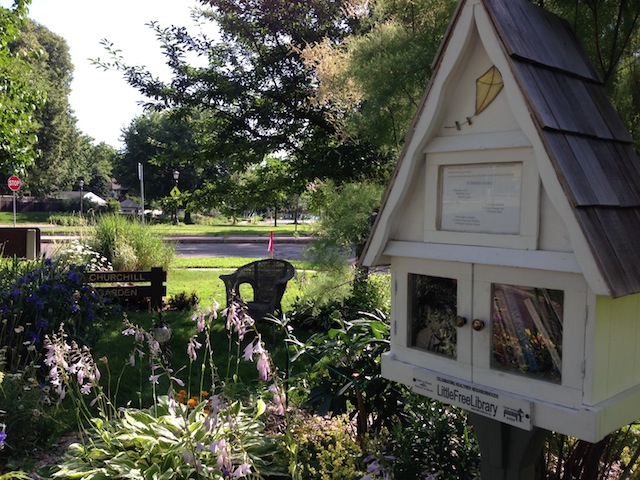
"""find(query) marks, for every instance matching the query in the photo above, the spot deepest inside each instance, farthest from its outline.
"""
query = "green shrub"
(67, 220)
(113, 206)
(184, 301)
(331, 298)
(128, 244)
(435, 439)
(325, 448)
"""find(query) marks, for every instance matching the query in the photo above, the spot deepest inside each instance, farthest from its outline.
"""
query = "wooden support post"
(507, 452)
(158, 289)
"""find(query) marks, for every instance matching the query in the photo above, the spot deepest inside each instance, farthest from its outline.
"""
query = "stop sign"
(14, 183)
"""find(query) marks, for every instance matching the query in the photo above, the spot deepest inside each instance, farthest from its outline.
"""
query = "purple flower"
(192, 347)
(3, 437)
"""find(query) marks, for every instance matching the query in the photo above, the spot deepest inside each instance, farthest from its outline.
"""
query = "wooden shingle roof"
(588, 144)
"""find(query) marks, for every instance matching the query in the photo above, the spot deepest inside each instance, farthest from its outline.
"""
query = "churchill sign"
(99, 277)
(127, 285)
(482, 401)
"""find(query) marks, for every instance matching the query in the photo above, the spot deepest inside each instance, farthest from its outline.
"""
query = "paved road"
(286, 251)
(194, 247)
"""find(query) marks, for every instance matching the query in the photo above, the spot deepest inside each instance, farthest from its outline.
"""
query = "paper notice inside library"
(481, 198)
(474, 398)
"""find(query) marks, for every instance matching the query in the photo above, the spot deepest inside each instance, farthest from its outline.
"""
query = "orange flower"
(193, 401)
(182, 394)
(204, 394)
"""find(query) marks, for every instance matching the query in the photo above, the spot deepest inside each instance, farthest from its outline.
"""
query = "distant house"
(95, 199)
(129, 206)
(116, 190)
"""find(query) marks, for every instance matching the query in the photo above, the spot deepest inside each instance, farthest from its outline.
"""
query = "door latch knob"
(460, 321)
(477, 325)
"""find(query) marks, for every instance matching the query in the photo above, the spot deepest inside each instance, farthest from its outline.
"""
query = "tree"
(346, 213)
(58, 137)
(255, 87)
(93, 164)
(610, 33)
(272, 185)
(19, 96)
(373, 80)
(162, 144)
(606, 29)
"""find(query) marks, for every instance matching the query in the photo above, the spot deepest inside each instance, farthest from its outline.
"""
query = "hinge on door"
(395, 327)
(583, 367)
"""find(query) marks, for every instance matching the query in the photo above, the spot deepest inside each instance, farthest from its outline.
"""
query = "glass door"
(520, 320)
(501, 327)
(431, 318)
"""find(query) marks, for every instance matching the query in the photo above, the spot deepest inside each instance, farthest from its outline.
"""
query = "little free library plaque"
(480, 400)
(481, 198)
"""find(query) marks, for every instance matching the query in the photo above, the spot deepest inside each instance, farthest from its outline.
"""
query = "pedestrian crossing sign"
(175, 192)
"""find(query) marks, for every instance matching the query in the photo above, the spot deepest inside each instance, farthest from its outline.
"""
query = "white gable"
(447, 131)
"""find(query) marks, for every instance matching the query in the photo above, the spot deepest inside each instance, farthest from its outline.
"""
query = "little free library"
(512, 230)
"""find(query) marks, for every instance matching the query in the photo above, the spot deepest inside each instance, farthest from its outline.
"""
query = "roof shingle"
(586, 140)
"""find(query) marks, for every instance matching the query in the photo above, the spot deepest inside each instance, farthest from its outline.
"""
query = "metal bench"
(268, 278)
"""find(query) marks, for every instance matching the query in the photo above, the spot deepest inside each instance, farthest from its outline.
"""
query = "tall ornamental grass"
(128, 244)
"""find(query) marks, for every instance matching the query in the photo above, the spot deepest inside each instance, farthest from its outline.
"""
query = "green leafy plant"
(348, 379)
(213, 440)
(325, 448)
(184, 301)
(434, 441)
(128, 244)
(327, 300)
(28, 417)
(181, 435)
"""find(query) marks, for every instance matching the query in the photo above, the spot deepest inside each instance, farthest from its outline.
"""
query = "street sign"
(175, 192)
(14, 183)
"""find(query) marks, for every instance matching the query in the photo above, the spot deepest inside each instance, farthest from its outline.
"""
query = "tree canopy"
(326, 87)
(255, 88)
(57, 135)
(20, 97)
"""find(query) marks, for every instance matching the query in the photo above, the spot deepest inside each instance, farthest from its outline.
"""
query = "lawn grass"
(240, 229)
(222, 229)
(25, 217)
(227, 262)
(206, 284)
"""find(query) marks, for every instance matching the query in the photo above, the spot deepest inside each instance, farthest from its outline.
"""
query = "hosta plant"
(213, 440)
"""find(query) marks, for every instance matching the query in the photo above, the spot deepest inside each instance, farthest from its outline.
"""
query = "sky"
(102, 101)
